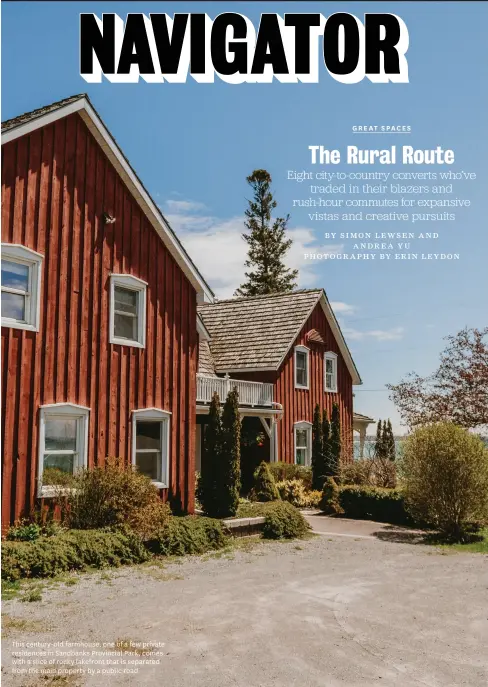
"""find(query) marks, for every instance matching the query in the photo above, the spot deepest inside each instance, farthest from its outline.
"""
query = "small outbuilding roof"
(362, 418)
(256, 333)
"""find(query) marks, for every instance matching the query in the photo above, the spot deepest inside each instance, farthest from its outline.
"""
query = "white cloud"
(182, 206)
(217, 247)
(394, 334)
(342, 308)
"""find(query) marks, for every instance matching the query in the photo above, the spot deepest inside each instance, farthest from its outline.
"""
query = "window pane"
(125, 327)
(301, 360)
(302, 438)
(302, 377)
(300, 457)
(329, 365)
(13, 306)
(60, 435)
(329, 381)
(125, 300)
(15, 275)
(148, 464)
(148, 435)
(58, 463)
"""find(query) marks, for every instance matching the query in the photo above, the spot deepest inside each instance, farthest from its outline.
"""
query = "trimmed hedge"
(72, 550)
(374, 503)
(284, 521)
(188, 534)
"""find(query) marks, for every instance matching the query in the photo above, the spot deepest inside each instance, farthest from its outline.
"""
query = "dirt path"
(325, 612)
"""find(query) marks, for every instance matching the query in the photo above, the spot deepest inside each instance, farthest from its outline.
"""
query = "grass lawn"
(480, 546)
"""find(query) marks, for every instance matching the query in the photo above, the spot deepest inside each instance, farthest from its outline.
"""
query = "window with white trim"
(127, 310)
(63, 444)
(150, 444)
(303, 443)
(21, 287)
(301, 367)
(330, 371)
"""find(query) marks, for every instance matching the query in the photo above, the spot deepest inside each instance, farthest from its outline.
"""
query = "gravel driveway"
(333, 610)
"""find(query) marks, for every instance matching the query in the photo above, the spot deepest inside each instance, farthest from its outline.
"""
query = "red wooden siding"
(56, 185)
(299, 404)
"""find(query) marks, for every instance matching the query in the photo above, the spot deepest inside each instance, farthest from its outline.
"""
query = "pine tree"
(318, 458)
(328, 462)
(335, 439)
(267, 245)
(230, 456)
(209, 482)
(264, 485)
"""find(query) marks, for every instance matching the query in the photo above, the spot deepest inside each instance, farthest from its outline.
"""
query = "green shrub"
(72, 550)
(283, 521)
(445, 470)
(372, 472)
(264, 485)
(373, 503)
(26, 530)
(188, 534)
(111, 495)
(329, 502)
(294, 492)
(284, 471)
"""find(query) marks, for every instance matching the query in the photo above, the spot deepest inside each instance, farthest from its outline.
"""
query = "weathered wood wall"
(56, 185)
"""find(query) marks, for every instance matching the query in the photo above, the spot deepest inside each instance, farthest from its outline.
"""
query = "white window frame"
(63, 411)
(333, 357)
(306, 351)
(308, 427)
(164, 417)
(127, 281)
(14, 252)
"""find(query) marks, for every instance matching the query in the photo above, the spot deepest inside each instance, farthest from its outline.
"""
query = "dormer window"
(301, 367)
(330, 369)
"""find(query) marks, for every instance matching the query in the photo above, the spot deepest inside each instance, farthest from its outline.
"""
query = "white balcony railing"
(250, 393)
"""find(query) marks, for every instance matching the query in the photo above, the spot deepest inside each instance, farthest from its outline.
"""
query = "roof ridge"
(42, 109)
(261, 297)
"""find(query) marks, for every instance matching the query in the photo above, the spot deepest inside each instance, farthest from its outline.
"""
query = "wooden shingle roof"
(256, 333)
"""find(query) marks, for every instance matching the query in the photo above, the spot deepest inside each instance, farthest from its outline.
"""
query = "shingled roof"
(256, 333)
(40, 112)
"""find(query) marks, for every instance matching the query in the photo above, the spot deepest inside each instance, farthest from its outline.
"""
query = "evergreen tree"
(209, 482)
(328, 462)
(318, 458)
(335, 439)
(267, 244)
(264, 486)
(391, 452)
(230, 456)
(378, 447)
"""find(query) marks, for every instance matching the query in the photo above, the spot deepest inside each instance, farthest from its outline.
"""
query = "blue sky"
(194, 144)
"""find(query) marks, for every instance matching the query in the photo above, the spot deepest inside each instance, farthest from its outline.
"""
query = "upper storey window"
(21, 287)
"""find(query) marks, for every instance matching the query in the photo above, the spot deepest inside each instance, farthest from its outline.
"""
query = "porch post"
(362, 438)
(273, 442)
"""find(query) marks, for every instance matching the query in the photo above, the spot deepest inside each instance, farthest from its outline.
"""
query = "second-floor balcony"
(250, 393)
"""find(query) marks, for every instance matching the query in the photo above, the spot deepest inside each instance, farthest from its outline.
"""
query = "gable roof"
(257, 333)
(30, 121)
(363, 418)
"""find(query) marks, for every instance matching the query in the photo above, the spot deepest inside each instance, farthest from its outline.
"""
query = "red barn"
(99, 321)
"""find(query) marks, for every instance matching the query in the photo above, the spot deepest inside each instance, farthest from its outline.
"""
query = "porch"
(254, 394)
(259, 414)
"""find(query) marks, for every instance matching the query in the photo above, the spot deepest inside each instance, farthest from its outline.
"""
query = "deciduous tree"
(456, 392)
